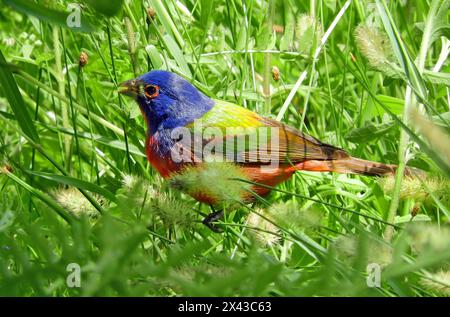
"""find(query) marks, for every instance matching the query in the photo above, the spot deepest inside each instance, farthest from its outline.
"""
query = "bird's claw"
(212, 217)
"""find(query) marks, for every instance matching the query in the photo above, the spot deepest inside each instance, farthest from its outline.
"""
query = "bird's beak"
(130, 88)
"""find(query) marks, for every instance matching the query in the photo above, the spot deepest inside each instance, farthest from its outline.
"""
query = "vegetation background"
(371, 77)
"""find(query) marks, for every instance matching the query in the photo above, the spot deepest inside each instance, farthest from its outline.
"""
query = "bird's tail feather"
(352, 165)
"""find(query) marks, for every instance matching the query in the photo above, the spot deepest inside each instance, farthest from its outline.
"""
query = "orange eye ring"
(151, 91)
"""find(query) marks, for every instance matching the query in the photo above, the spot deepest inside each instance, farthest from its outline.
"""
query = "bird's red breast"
(162, 163)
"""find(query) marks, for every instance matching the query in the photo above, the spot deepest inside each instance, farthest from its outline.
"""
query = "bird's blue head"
(166, 100)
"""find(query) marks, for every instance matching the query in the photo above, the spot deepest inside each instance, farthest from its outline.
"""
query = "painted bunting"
(172, 108)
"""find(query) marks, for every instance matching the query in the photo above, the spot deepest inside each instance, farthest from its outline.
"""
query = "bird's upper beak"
(130, 88)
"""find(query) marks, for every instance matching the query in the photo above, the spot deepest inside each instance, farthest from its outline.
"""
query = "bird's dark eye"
(151, 91)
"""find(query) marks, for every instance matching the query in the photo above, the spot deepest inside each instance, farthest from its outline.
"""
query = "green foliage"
(11, 92)
(48, 14)
(75, 186)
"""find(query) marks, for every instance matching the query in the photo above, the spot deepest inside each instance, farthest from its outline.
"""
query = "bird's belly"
(265, 176)
(254, 172)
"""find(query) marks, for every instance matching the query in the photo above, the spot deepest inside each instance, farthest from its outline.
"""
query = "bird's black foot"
(209, 219)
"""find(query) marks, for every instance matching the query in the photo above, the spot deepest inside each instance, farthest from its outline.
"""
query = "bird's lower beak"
(129, 88)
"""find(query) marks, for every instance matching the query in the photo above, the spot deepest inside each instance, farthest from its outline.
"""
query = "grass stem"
(267, 73)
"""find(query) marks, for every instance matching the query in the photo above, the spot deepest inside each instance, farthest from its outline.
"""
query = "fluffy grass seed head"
(218, 180)
(288, 214)
(425, 238)
(375, 46)
(140, 194)
(307, 32)
(172, 211)
(201, 273)
(438, 282)
(267, 236)
(75, 202)
(136, 189)
(418, 189)
(132, 182)
(380, 253)
(347, 248)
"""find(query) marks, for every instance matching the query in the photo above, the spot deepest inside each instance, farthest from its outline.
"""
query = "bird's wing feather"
(243, 136)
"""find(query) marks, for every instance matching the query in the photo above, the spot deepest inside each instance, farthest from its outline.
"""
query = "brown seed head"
(83, 59)
(275, 73)
(151, 13)
(6, 169)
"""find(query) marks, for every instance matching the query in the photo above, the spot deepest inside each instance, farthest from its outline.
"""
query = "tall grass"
(75, 186)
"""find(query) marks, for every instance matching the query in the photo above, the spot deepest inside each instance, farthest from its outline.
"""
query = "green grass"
(75, 186)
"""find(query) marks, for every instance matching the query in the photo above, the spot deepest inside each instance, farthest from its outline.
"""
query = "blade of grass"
(78, 183)
(10, 90)
(125, 135)
(106, 7)
(64, 99)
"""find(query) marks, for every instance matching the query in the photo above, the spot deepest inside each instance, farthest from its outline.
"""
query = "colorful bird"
(174, 109)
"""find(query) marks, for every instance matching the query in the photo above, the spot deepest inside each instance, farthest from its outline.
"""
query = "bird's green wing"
(240, 135)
